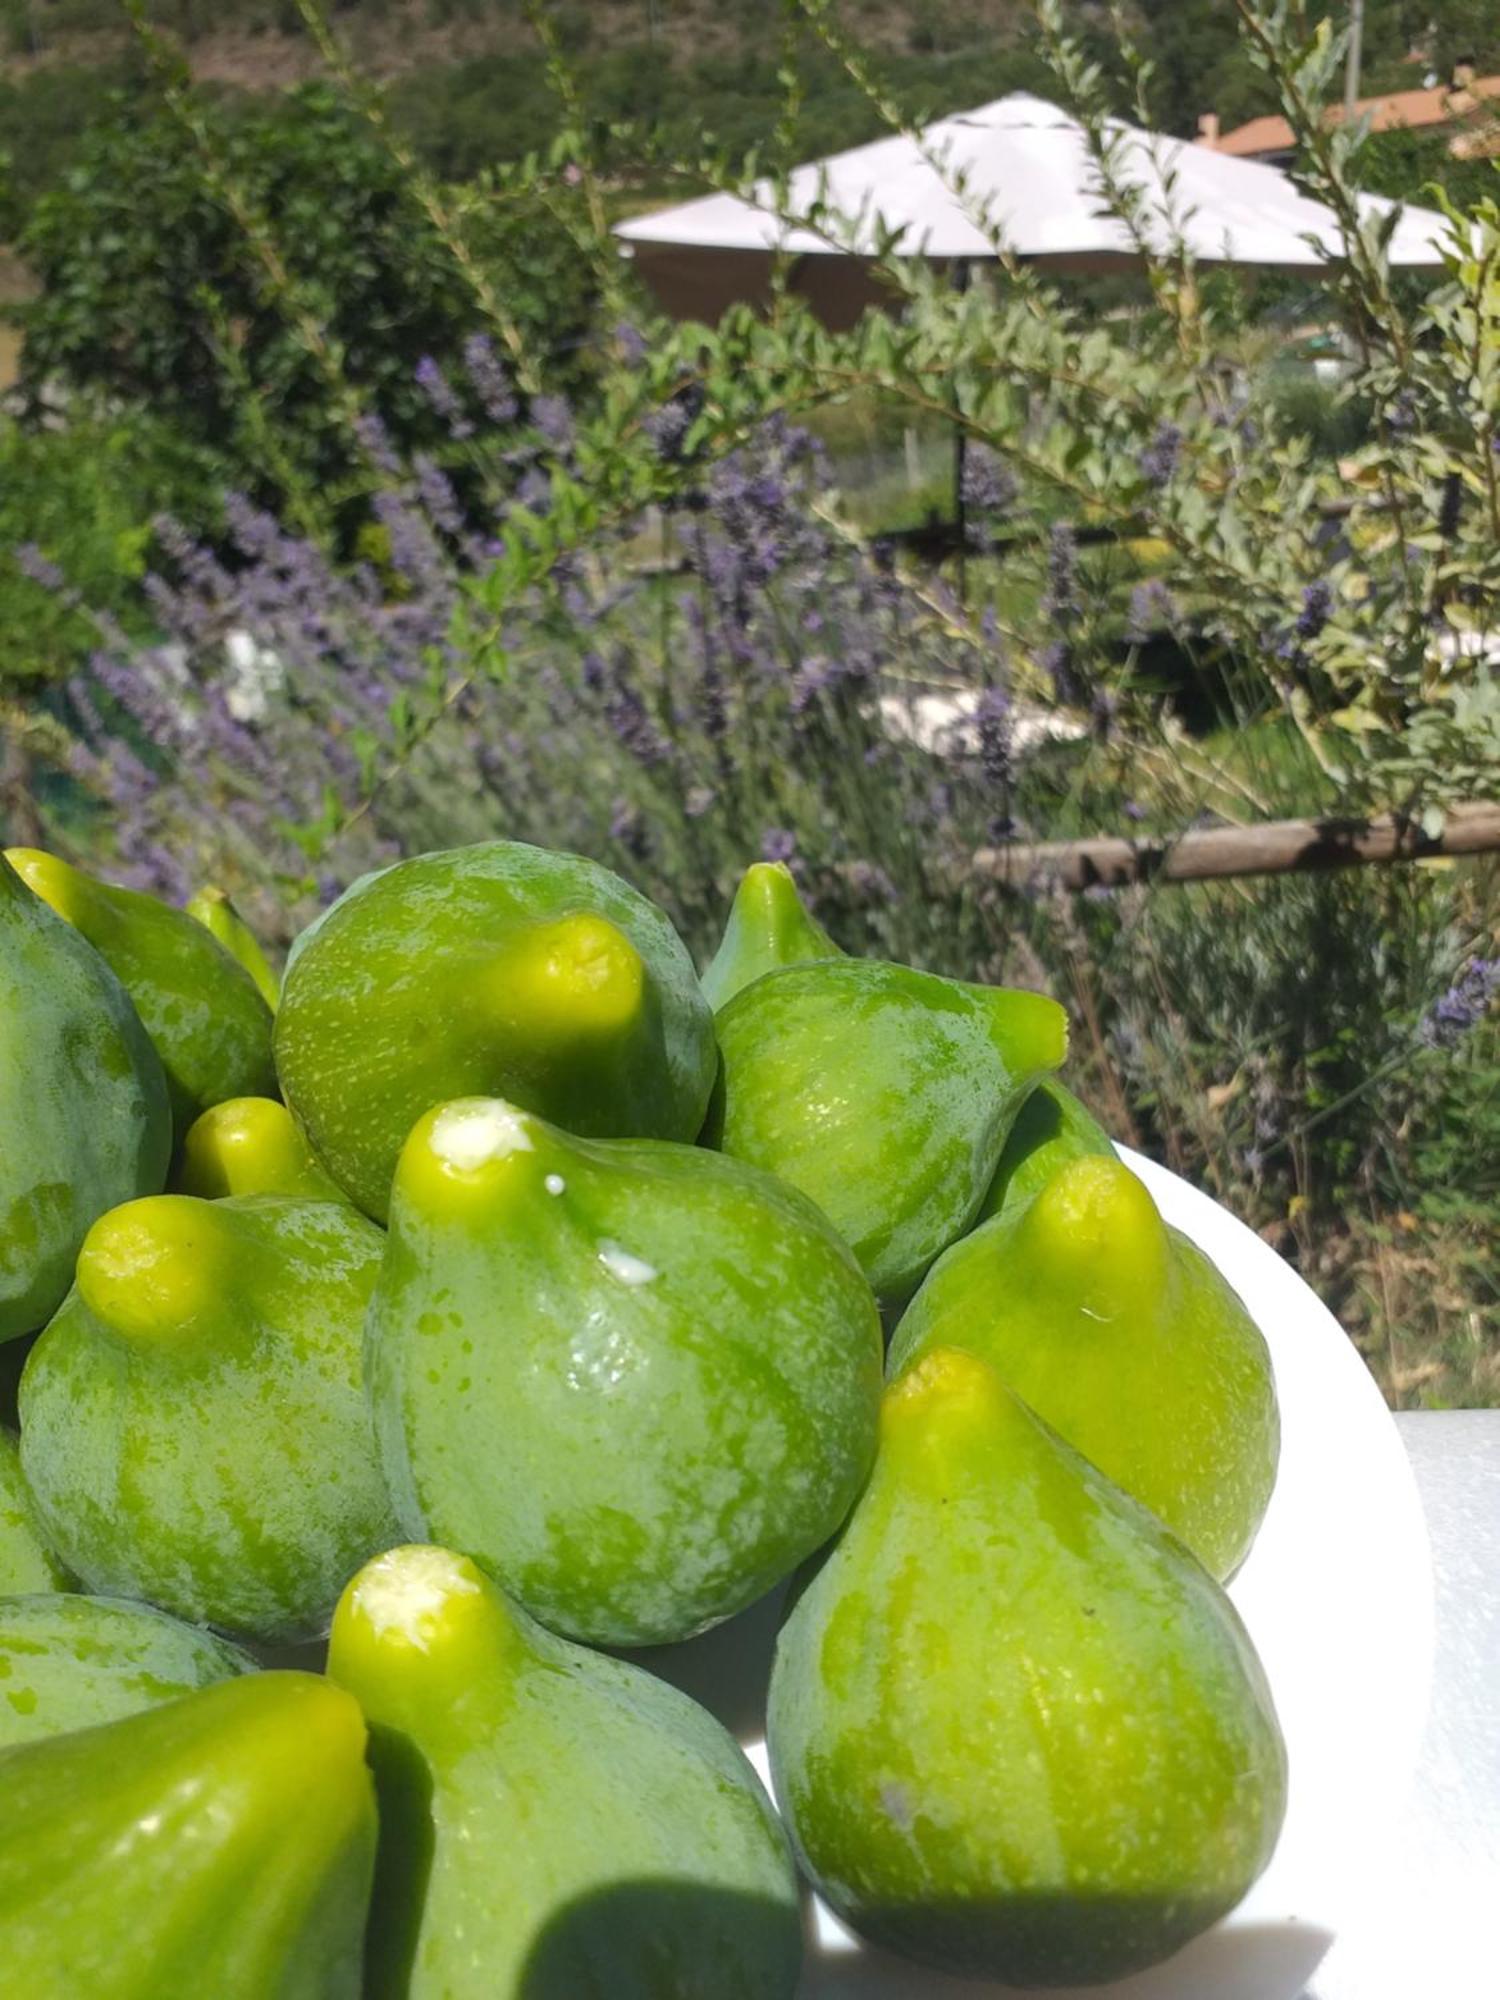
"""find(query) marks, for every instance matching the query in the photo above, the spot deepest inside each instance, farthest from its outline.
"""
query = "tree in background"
(155, 296)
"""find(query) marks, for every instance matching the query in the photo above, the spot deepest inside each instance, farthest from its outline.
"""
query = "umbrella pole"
(960, 277)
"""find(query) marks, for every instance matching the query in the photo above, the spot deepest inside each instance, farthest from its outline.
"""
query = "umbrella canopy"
(1026, 164)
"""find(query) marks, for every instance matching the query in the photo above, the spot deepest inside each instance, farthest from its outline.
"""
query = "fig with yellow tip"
(882, 1093)
(202, 1010)
(1017, 1731)
(219, 1847)
(84, 1116)
(555, 1824)
(1122, 1336)
(212, 908)
(1051, 1128)
(193, 1422)
(26, 1562)
(73, 1662)
(637, 1380)
(768, 926)
(251, 1145)
(501, 970)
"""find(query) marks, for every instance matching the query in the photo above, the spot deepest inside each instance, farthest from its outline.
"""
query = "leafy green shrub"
(155, 296)
(81, 496)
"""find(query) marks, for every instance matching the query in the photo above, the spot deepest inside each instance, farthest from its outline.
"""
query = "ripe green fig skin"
(74, 1662)
(84, 1115)
(884, 1094)
(555, 1824)
(206, 1017)
(194, 1427)
(26, 1562)
(428, 981)
(1120, 1334)
(221, 1844)
(639, 1382)
(1051, 1128)
(1016, 1730)
(768, 926)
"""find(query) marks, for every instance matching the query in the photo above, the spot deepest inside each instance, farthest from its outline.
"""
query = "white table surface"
(1433, 1931)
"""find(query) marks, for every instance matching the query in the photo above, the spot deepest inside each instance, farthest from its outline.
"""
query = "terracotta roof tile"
(1402, 110)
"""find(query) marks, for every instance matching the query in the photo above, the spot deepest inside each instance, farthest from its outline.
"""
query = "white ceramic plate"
(1337, 1594)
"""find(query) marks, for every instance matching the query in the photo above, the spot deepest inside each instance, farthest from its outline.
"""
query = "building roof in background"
(1408, 110)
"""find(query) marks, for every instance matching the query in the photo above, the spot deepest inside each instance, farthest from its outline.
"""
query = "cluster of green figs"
(498, 1296)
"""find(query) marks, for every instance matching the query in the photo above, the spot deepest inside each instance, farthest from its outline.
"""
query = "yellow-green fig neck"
(248, 1146)
(569, 980)
(1029, 1030)
(768, 926)
(948, 1409)
(417, 1631)
(1093, 1235)
(154, 1272)
(66, 890)
(477, 1156)
(212, 908)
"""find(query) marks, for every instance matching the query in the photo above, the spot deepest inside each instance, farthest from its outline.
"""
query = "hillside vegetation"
(468, 86)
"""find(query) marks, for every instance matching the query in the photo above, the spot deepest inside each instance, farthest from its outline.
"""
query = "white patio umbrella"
(1026, 164)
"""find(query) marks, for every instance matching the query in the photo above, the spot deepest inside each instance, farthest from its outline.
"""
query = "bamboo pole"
(1277, 847)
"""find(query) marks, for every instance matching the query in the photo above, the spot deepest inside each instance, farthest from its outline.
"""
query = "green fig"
(1122, 1336)
(884, 1094)
(1051, 1128)
(768, 926)
(219, 1847)
(73, 1662)
(193, 1421)
(212, 908)
(26, 1563)
(1017, 1731)
(638, 1381)
(202, 1010)
(251, 1145)
(84, 1118)
(496, 970)
(555, 1824)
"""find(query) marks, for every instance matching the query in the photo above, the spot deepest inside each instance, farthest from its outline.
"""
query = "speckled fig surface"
(882, 1093)
(26, 1563)
(1019, 1733)
(1125, 1339)
(219, 1847)
(555, 1824)
(204, 1013)
(768, 925)
(73, 1662)
(638, 1381)
(84, 1117)
(194, 1428)
(499, 969)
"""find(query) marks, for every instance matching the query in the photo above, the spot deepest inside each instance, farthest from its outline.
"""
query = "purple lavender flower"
(777, 844)
(1161, 457)
(554, 419)
(989, 485)
(1152, 607)
(439, 392)
(489, 380)
(1455, 1013)
(631, 343)
(1317, 605)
